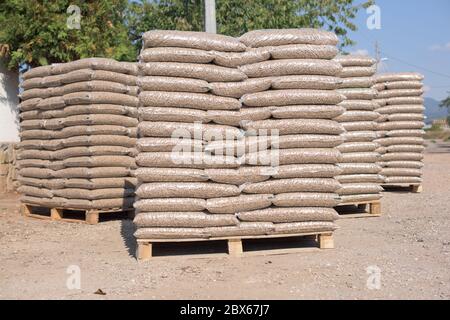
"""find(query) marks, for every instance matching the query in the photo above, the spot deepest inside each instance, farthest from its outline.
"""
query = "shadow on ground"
(437, 146)
(127, 230)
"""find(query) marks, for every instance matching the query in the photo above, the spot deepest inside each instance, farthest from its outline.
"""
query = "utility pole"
(377, 55)
(377, 52)
(210, 16)
(380, 65)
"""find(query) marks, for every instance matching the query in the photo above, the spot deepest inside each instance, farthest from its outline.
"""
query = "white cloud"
(382, 67)
(440, 47)
(435, 47)
(363, 52)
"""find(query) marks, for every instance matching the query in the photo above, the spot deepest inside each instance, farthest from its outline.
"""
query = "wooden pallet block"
(60, 214)
(235, 248)
(326, 241)
(144, 249)
(374, 209)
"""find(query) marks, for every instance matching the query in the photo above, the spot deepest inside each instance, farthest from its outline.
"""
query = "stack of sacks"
(401, 124)
(189, 77)
(297, 173)
(360, 178)
(78, 134)
(190, 89)
(8, 169)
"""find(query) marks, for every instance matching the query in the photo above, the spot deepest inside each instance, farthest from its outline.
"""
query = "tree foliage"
(35, 32)
(185, 15)
(332, 15)
(445, 103)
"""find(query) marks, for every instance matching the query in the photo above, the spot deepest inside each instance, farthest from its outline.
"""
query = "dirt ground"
(409, 245)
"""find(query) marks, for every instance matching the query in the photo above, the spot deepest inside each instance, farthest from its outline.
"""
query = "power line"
(416, 66)
(369, 38)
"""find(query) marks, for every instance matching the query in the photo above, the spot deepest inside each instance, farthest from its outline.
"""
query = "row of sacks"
(401, 126)
(210, 76)
(192, 47)
(222, 181)
(241, 116)
(359, 119)
(78, 134)
(239, 88)
(79, 98)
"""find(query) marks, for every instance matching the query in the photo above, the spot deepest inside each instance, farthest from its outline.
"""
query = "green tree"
(35, 32)
(446, 104)
(235, 17)
(144, 15)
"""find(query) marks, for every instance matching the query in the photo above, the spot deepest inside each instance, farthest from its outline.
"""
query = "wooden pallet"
(91, 216)
(374, 209)
(144, 249)
(414, 188)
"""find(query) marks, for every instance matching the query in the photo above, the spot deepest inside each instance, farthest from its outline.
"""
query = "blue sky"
(414, 36)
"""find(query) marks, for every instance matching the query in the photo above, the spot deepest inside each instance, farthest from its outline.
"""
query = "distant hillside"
(433, 111)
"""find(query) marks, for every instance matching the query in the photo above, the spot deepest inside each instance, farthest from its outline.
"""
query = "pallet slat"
(144, 250)
(62, 214)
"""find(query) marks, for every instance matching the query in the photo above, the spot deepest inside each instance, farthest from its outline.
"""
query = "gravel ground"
(407, 250)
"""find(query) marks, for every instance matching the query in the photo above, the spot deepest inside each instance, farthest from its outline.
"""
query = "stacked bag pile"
(222, 101)
(303, 102)
(8, 170)
(189, 82)
(78, 133)
(401, 127)
(360, 178)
